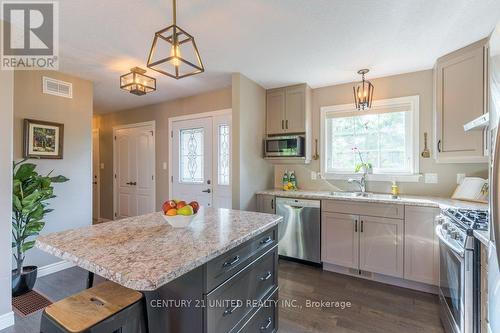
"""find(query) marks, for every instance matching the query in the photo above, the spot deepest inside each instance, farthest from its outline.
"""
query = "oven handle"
(457, 250)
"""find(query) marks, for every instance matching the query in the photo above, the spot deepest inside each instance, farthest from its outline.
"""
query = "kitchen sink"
(362, 195)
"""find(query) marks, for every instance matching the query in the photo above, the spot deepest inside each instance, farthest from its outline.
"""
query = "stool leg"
(90, 280)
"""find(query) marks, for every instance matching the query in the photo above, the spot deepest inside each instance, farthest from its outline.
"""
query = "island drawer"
(265, 320)
(363, 208)
(222, 268)
(229, 304)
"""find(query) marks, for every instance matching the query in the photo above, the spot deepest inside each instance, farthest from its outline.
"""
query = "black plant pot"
(24, 282)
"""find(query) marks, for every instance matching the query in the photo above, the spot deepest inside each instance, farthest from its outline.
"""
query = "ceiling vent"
(58, 88)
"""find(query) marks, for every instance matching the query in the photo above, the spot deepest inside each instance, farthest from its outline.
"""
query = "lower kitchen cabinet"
(266, 203)
(421, 245)
(381, 245)
(340, 239)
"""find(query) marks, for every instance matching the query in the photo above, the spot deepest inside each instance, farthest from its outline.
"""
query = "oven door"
(452, 286)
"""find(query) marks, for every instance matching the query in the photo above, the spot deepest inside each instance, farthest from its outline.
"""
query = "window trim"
(410, 103)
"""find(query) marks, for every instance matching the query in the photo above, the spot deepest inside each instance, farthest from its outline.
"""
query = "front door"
(134, 171)
(201, 160)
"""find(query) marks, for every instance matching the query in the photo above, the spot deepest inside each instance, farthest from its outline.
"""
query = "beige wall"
(73, 205)
(211, 101)
(251, 172)
(6, 116)
(416, 83)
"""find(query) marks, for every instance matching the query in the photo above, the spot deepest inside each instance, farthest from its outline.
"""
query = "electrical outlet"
(431, 178)
(460, 178)
(314, 175)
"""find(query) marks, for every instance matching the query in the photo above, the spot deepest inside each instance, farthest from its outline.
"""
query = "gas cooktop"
(469, 218)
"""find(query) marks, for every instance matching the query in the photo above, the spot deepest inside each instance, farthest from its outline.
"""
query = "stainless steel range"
(459, 268)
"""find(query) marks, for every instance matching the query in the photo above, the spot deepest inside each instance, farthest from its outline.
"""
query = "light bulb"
(175, 52)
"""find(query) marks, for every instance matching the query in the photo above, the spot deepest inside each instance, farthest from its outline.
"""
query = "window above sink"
(386, 136)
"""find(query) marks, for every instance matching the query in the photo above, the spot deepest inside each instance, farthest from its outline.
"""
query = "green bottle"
(293, 180)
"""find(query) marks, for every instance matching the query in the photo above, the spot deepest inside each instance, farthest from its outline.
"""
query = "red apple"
(168, 205)
(195, 205)
(181, 204)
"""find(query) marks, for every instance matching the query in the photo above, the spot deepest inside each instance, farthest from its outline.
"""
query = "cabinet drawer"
(227, 305)
(265, 320)
(361, 208)
(222, 268)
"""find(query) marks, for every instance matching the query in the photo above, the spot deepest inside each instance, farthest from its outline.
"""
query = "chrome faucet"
(361, 183)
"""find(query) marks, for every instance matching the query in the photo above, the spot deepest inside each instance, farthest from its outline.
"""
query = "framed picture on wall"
(43, 139)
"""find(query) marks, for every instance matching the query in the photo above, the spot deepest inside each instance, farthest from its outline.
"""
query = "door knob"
(134, 183)
(207, 190)
(129, 183)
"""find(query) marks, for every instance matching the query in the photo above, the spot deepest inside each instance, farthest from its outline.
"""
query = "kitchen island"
(213, 276)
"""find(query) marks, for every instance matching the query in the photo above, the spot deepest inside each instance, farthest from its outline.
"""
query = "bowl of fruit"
(178, 213)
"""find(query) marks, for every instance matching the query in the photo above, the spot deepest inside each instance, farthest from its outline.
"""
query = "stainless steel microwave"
(284, 146)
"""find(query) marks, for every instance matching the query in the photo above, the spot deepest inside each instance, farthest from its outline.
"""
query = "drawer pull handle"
(232, 262)
(266, 240)
(266, 277)
(268, 323)
(229, 311)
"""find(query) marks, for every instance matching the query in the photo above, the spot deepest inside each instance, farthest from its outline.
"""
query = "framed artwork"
(43, 139)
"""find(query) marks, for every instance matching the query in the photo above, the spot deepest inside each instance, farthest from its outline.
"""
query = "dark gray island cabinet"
(218, 275)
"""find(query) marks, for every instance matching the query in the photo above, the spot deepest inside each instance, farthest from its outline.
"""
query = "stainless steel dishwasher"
(300, 231)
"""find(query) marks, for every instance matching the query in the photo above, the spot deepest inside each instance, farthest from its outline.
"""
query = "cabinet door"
(339, 239)
(295, 106)
(460, 98)
(275, 111)
(381, 245)
(266, 203)
(421, 245)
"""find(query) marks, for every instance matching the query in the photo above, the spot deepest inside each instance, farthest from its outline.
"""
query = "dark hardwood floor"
(375, 307)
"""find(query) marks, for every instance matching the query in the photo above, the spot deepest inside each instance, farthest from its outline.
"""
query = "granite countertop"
(409, 200)
(144, 252)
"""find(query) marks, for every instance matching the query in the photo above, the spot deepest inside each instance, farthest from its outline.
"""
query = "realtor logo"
(30, 35)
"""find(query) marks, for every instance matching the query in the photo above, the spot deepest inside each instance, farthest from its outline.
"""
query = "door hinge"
(171, 179)
(171, 134)
(152, 133)
(115, 137)
(152, 177)
(115, 175)
(116, 215)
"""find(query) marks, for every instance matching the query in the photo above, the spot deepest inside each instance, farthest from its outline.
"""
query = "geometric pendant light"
(174, 52)
(363, 92)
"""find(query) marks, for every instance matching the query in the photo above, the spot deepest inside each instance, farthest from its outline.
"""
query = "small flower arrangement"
(367, 167)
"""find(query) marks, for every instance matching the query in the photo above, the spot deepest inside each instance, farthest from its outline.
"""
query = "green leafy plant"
(30, 193)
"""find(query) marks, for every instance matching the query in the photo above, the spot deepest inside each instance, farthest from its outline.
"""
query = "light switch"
(431, 178)
(164, 165)
(102, 166)
(314, 175)
(460, 178)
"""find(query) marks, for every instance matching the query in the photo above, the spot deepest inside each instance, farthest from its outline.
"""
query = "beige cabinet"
(288, 110)
(340, 240)
(460, 96)
(266, 203)
(421, 245)
(381, 245)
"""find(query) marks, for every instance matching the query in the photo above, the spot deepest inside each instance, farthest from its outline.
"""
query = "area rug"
(29, 303)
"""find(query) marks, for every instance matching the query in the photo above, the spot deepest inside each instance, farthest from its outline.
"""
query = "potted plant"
(30, 194)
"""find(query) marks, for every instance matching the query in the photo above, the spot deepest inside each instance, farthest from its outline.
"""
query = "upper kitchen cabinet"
(460, 96)
(288, 110)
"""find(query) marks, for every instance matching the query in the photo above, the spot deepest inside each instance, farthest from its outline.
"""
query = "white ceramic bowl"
(179, 221)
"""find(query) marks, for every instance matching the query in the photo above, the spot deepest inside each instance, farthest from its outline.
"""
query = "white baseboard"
(53, 268)
(6, 320)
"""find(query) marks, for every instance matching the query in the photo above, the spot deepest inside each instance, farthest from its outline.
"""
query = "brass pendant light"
(174, 52)
(363, 92)
(137, 83)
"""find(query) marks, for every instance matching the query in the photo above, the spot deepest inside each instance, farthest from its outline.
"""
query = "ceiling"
(273, 42)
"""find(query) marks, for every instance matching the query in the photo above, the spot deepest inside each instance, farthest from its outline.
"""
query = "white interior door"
(192, 160)
(95, 175)
(201, 160)
(134, 156)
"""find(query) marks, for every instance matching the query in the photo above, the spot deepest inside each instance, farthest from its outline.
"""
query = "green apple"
(186, 210)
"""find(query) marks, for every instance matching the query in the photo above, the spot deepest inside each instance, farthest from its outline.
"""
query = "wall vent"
(56, 87)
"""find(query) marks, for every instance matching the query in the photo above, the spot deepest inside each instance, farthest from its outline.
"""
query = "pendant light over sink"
(174, 52)
(363, 92)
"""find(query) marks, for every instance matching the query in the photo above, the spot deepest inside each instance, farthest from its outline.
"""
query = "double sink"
(362, 195)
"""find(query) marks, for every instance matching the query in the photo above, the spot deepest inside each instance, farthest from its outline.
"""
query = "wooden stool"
(105, 308)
